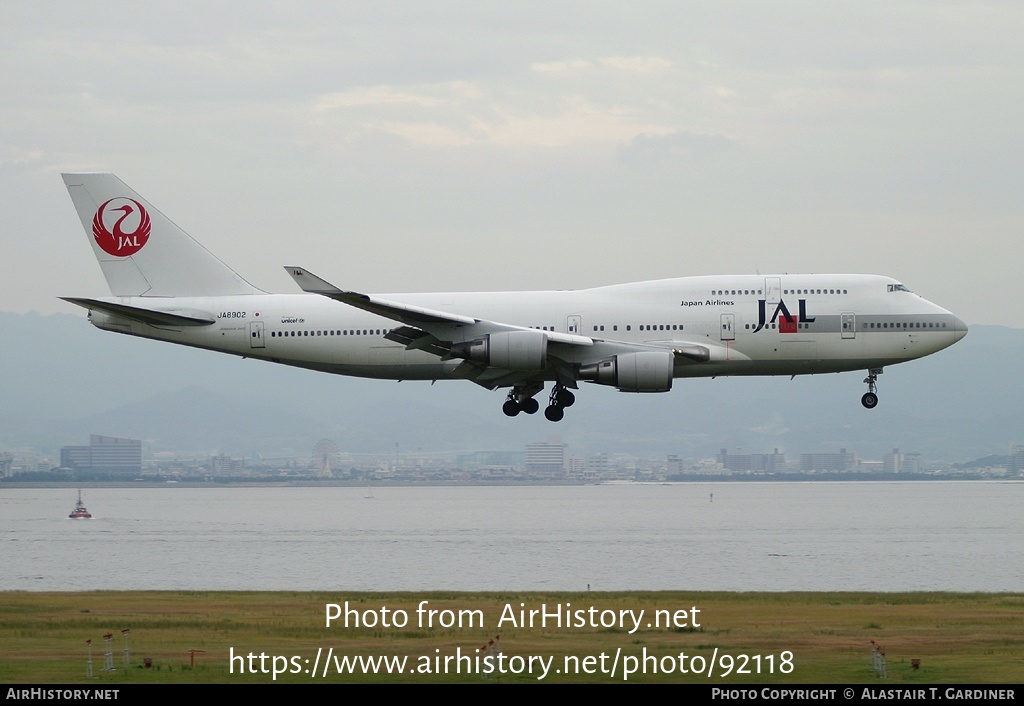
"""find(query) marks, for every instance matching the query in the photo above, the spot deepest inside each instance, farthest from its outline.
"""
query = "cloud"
(423, 96)
(578, 121)
(462, 114)
(677, 147)
(637, 64)
(557, 67)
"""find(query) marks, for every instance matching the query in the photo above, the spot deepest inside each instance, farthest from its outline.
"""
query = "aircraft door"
(256, 335)
(849, 324)
(728, 327)
(574, 324)
(772, 289)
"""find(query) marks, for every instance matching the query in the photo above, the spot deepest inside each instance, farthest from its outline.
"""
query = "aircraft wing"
(430, 320)
(412, 315)
(440, 332)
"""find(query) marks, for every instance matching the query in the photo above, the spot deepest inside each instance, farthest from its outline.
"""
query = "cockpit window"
(897, 288)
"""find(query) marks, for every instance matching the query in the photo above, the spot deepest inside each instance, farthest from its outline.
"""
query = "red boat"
(80, 513)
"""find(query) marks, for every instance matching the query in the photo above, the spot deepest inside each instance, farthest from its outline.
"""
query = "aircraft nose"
(959, 328)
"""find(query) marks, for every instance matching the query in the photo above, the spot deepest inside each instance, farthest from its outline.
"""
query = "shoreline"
(776, 478)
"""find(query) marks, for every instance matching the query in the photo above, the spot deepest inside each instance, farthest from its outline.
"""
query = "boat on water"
(80, 513)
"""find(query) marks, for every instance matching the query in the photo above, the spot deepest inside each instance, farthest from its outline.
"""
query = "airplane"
(636, 337)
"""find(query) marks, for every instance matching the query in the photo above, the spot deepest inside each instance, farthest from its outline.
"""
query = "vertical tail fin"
(141, 252)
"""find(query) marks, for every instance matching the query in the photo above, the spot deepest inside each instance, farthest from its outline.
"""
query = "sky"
(409, 146)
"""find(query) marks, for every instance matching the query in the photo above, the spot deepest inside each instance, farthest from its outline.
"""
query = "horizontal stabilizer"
(153, 317)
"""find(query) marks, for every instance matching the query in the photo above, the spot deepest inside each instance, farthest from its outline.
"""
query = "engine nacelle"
(647, 371)
(511, 350)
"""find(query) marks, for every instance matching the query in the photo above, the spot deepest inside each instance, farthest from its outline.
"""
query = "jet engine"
(511, 350)
(646, 371)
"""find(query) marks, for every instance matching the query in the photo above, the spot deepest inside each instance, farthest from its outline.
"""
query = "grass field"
(958, 638)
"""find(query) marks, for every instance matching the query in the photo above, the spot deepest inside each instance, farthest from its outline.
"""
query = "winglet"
(309, 282)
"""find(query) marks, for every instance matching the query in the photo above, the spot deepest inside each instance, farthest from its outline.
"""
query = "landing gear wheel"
(558, 400)
(520, 399)
(554, 413)
(870, 398)
(565, 398)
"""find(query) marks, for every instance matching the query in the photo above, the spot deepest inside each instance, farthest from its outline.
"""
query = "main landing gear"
(870, 398)
(559, 399)
(520, 399)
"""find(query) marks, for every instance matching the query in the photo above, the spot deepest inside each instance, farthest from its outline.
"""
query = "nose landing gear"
(870, 398)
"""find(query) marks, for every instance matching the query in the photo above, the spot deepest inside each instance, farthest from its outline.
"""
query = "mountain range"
(62, 380)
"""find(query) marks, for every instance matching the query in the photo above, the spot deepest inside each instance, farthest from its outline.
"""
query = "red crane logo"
(117, 241)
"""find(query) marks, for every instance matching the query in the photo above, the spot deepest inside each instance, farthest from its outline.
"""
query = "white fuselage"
(752, 325)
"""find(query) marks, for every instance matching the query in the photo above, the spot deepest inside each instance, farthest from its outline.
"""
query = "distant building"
(897, 462)
(598, 465)
(104, 454)
(546, 459)
(6, 464)
(480, 460)
(892, 462)
(1016, 458)
(841, 462)
(577, 469)
(746, 463)
(224, 465)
